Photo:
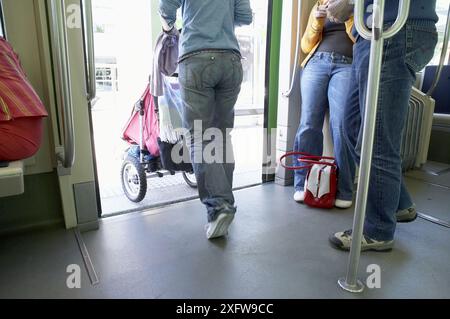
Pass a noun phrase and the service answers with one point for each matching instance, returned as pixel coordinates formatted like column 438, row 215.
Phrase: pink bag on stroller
column 131, row 132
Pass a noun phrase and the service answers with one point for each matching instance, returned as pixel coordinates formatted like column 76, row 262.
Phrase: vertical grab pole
column 377, row 36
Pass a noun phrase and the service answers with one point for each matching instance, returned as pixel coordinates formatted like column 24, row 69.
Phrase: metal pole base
column 356, row 289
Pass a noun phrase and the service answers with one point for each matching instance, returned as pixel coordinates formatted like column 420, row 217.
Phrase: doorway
column 123, row 37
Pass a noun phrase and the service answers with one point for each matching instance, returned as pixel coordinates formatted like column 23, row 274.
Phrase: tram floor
column 276, row 249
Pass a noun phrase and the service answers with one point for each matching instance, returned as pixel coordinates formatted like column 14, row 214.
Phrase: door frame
column 2, row 22
column 270, row 86
column 77, row 188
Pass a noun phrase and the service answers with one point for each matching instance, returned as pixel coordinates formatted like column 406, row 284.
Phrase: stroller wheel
column 190, row 179
column 134, row 179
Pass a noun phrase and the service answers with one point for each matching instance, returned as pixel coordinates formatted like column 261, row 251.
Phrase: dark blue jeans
column 325, row 84
column 405, row 54
column 210, row 85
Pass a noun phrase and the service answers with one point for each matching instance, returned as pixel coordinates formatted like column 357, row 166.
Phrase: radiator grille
column 417, row 131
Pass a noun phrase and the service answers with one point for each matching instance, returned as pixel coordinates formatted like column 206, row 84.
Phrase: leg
column 405, row 54
column 337, row 96
column 352, row 112
column 309, row 138
column 226, row 96
column 199, row 78
column 401, row 61
column 405, row 199
column 198, row 107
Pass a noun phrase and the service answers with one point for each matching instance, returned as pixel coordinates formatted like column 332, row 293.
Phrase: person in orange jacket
column 21, row 109
column 325, row 84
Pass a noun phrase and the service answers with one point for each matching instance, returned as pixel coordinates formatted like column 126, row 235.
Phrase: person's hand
column 321, row 12
column 339, row 11
column 165, row 26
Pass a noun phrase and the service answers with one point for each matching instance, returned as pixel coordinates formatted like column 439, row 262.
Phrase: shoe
column 343, row 241
column 343, row 204
column 299, row 197
column 407, row 215
column 219, row 227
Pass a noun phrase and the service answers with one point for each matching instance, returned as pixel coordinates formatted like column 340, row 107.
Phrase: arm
column 313, row 30
column 243, row 14
column 168, row 12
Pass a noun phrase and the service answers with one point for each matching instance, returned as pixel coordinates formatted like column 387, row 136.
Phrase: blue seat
column 442, row 92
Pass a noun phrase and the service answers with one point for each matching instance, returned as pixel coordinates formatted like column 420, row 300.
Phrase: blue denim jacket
column 207, row 24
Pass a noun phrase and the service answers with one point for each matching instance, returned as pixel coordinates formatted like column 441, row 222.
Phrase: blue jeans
column 210, row 85
column 325, row 84
column 405, row 54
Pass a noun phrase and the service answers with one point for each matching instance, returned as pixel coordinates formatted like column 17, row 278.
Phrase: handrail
column 60, row 54
column 5, row 34
column 366, row 33
column 377, row 37
column 92, row 85
column 297, row 53
column 443, row 56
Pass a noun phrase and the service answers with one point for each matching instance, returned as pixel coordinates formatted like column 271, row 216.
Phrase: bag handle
column 308, row 159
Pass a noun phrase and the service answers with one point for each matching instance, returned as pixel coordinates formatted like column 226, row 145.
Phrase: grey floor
column 163, row 191
column 276, row 249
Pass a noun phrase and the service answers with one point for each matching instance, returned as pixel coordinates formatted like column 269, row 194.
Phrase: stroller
column 149, row 154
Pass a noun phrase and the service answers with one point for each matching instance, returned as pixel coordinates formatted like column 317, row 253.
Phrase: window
column 442, row 11
column 106, row 77
column 252, row 42
column 2, row 27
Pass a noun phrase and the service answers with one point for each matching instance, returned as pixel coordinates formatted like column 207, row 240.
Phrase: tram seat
column 442, row 93
column 11, row 179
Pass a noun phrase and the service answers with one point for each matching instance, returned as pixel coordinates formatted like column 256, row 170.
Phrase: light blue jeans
column 210, row 84
column 405, row 54
column 325, row 84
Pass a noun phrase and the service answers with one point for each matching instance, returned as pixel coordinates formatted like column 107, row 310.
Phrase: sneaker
column 343, row 241
column 299, row 197
column 407, row 215
column 343, row 204
column 219, row 227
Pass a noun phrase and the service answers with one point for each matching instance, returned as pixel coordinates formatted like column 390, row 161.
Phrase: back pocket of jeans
column 420, row 47
column 238, row 71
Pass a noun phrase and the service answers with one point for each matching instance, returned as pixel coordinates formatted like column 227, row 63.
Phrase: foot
column 299, row 197
column 343, row 204
column 343, row 241
column 407, row 215
column 219, row 227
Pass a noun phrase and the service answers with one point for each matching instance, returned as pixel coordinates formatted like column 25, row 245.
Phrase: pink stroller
column 148, row 157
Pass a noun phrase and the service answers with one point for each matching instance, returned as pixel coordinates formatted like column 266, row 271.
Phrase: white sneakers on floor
column 343, row 204
column 299, row 197
column 219, row 227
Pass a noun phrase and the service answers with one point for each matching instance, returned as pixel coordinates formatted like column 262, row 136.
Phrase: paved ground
column 108, row 125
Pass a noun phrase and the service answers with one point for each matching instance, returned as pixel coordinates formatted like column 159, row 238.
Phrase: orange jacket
column 313, row 34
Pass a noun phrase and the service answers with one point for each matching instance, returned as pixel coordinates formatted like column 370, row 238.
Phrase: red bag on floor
column 321, row 179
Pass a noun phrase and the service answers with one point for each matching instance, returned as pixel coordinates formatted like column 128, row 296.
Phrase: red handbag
column 321, row 180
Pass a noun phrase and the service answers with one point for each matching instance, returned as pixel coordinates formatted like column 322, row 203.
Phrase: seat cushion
column 11, row 179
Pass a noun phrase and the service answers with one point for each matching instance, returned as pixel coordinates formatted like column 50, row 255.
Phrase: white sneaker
column 299, row 197
column 343, row 204
column 219, row 227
